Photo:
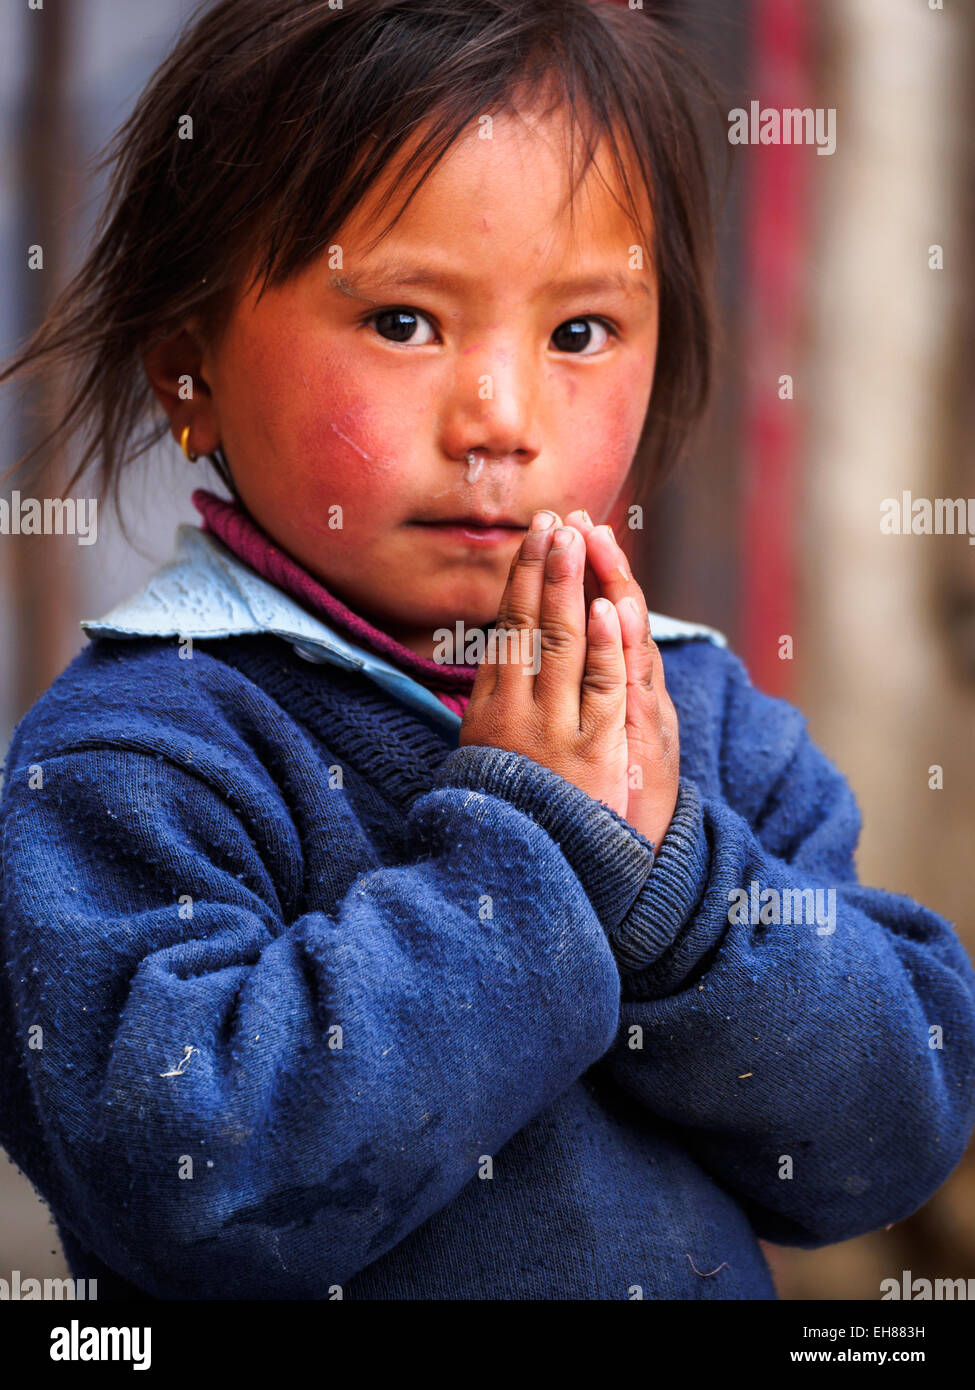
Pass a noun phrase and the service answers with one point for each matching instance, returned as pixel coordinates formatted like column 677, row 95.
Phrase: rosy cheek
column 346, row 441
column 602, row 478
column 630, row 408
column 613, row 435
column 347, row 455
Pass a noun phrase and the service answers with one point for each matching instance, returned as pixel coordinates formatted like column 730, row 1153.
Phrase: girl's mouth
column 471, row 530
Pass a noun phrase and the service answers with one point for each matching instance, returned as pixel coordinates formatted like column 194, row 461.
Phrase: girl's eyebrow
column 399, row 274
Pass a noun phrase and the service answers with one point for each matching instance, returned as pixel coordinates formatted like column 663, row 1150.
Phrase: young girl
column 330, row 970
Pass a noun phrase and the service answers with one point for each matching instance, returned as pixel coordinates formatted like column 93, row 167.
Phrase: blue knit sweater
column 301, row 1000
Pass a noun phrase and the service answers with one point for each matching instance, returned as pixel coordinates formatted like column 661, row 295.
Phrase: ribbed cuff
column 670, row 894
column 609, row 857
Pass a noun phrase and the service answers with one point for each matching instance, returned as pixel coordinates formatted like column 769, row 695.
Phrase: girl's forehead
column 517, row 171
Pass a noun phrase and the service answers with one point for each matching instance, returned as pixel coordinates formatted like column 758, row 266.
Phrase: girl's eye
column 398, row 325
column 575, row 335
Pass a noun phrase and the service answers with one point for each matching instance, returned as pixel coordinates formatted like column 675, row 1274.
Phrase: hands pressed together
column 596, row 709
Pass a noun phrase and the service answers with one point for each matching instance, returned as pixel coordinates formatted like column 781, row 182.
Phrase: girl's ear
column 173, row 366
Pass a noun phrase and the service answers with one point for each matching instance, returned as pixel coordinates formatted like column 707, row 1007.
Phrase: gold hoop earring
column 184, row 441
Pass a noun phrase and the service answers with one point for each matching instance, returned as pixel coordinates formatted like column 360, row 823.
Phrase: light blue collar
column 205, row 592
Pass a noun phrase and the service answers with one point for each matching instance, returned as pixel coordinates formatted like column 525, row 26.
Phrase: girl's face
column 348, row 400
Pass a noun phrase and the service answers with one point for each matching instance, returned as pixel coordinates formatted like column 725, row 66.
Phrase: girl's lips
column 471, row 533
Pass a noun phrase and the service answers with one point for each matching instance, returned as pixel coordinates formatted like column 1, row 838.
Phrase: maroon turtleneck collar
column 240, row 533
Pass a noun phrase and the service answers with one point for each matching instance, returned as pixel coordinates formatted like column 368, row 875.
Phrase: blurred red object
column 775, row 195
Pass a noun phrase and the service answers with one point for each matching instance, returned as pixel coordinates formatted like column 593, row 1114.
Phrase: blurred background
column 846, row 284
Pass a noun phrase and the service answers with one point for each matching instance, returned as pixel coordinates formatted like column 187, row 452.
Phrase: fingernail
column 563, row 537
column 600, row 606
column 584, row 514
column 541, row 521
column 624, row 573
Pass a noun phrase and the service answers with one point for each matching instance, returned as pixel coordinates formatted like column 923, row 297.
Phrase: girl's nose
column 492, row 409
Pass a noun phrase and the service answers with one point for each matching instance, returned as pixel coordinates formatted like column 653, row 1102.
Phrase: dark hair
column 297, row 108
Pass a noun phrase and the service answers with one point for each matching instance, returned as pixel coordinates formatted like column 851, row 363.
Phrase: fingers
column 602, row 706
column 611, row 566
column 651, row 720
column 583, row 523
column 641, row 653
column 523, row 591
column 547, row 603
column 581, row 520
column 518, row 613
column 562, row 625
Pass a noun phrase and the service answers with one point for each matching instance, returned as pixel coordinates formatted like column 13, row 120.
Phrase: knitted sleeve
column 244, row 1106
column 812, row 1039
